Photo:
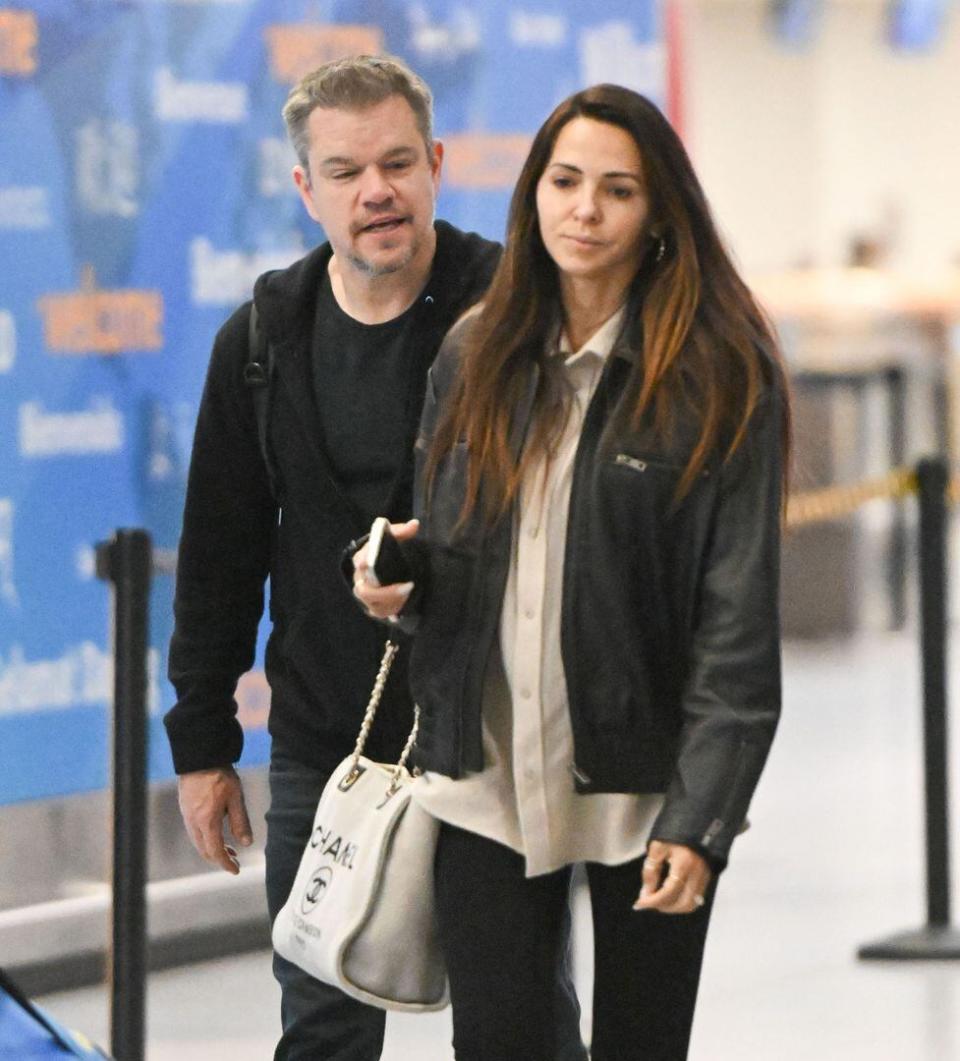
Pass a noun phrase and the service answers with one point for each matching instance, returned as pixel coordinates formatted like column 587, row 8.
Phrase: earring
column 661, row 248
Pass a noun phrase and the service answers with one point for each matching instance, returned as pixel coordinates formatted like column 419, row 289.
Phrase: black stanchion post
column 936, row 939
column 126, row 562
column 932, row 479
column 895, row 380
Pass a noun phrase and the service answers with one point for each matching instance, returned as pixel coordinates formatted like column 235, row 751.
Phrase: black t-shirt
column 362, row 381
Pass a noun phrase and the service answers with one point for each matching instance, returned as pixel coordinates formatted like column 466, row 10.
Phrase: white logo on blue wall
column 198, row 101
column 439, row 42
column 201, row 3
column 25, row 207
column 537, row 29
column 224, row 278
column 8, row 588
column 609, row 53
column 8, row 340
column 82, row 674
column 99, row 429
column 108, row 167
column 170, row 434
column 276, row 161
column 85, row 562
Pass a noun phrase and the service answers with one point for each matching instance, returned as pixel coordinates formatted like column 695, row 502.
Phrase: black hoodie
column 323, row 654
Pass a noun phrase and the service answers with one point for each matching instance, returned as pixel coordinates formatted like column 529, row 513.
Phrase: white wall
column 800, row 150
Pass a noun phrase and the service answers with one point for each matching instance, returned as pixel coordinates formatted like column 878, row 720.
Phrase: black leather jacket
column 670, row 624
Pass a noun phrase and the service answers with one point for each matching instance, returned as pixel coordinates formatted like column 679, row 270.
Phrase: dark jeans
column 320, row 1023
column 503, row 935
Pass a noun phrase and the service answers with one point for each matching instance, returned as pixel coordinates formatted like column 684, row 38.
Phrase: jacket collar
column 287, row 298
column 287, row 305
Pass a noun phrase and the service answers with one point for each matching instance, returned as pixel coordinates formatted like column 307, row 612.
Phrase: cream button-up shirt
column 525, row 797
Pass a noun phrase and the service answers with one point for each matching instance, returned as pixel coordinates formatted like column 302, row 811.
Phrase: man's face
column 371, row 185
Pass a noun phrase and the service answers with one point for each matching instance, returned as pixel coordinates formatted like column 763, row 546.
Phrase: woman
column 595, row 589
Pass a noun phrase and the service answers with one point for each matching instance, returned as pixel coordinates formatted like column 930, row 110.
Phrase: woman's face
column 592, row 204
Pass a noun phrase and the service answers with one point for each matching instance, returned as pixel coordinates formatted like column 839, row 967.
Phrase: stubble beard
column 372, row 269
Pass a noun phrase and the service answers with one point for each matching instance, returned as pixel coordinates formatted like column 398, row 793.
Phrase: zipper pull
column 631, row 462
column 579, row 774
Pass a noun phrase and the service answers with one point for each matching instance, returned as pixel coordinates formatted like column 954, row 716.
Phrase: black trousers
column 503, row 938
column 321, row 1023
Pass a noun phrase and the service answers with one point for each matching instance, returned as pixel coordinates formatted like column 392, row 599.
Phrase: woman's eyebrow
column 612, row 173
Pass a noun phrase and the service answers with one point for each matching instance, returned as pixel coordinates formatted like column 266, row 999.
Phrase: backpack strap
column 258, row 376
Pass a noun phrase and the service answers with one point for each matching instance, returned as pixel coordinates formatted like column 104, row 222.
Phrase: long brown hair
column 704, row 343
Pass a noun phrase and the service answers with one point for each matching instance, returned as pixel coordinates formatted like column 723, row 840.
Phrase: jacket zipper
column 631, row 462
column 625, row 460
column 593, row 420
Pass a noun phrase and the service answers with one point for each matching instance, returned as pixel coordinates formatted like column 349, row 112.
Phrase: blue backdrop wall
column 144, row 184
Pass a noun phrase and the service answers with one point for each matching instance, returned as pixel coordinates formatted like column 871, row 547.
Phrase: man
column 353, row 328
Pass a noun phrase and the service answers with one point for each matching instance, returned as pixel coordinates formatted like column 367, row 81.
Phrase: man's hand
column 675, row 879
column 206, row 798
column 382, row 602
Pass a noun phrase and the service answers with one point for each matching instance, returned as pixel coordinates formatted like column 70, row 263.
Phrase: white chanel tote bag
column 360, row 915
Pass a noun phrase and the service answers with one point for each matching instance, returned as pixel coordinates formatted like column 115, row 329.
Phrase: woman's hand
column 382, row 602
column 675, row 879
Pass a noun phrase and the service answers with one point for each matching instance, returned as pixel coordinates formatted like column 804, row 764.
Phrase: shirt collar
column 601, row 343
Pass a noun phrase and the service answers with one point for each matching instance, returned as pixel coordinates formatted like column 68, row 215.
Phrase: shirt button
column 525, row 694
column 533, row 532
column 529, row 613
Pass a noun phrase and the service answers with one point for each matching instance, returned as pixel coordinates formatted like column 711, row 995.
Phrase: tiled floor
column 834, row 859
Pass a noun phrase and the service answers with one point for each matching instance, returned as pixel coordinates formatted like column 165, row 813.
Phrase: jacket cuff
column 200, row 743
column 711, row 838
column 416, row 553
column 346, row 558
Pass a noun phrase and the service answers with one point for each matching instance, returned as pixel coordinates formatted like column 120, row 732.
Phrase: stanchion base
column 930, row 943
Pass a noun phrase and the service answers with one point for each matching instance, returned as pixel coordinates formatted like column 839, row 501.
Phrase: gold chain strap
column 404, row 755
column 376, row 695
column 378, row 686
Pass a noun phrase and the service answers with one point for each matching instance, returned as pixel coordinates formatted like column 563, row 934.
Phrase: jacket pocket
column 633, row 492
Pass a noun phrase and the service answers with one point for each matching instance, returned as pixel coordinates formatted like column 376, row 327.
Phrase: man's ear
column 436, row 161
column 301, row 178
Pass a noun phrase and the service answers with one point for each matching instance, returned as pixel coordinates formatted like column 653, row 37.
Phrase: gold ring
column 698, row 900
column 652, row 863
column 677, row 877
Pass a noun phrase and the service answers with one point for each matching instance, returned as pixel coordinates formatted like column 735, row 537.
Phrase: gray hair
column 355, row 83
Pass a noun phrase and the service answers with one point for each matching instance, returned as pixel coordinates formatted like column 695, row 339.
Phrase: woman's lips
column 583, row 241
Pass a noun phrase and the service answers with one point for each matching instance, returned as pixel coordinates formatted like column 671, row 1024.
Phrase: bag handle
column 389, row 654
